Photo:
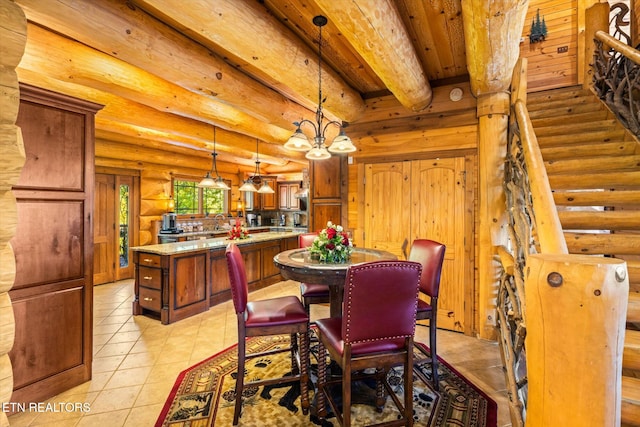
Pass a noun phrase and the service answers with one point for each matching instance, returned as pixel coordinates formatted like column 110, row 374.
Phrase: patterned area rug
column 204, row 394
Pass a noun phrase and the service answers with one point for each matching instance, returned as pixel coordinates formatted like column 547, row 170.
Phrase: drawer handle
column 147, row 277
column 147, row 260
column 148, row 299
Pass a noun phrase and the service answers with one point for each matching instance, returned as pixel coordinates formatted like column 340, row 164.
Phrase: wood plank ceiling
column 169, row 70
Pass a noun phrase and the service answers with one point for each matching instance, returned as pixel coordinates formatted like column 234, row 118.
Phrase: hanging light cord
column 215, row 153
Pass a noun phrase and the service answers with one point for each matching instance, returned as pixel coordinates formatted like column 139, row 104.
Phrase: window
column 190, row 199
column 124, row 226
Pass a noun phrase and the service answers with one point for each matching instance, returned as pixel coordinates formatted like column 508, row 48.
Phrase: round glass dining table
column 297, row 264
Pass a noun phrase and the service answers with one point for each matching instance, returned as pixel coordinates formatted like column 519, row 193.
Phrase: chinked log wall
column 13, row 37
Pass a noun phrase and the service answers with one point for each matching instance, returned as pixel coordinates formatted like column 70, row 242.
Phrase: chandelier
column 208, row 181
column 250, row 185
column 299, row 141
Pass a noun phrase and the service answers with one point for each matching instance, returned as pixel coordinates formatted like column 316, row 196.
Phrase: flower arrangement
column 238, row 232
column 332, row 245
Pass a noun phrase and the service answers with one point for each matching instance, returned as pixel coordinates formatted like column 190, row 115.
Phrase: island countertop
column 213, row 243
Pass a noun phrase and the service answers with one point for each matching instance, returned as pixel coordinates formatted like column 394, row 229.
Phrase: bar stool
column 275, row 316
column 312, row 293
column 430, row 254
column 375, row 331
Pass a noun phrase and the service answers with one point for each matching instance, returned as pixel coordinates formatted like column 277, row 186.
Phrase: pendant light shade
column 299, row 141
column 265, row 188
column 208, row 181
column 342, row 144
column 247, row 185
column 250, row 185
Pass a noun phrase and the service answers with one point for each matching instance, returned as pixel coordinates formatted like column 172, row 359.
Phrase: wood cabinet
column 254, row 201
column 328, row 192
column 175, row 286
column 52, row 294
column 287, row 195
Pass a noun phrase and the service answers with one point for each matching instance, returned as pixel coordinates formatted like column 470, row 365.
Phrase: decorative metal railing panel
column 616, row 78
column 511, row 317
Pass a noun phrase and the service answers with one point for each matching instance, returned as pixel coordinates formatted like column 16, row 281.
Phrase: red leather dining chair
column 375, row 331
column 312, row 293
column 275, row 316
column 430, row 254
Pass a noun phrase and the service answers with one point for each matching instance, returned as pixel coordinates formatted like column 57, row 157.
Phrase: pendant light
column 249, row 184
column 299, row 141
column 208, row 181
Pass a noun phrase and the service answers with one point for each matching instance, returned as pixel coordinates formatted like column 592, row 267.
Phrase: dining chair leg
column 380, row 398
column 434, row 356
column 346, row 396
column 408, row 388
column 304, row 372
column 294, row 352
column 239, row 380
column 321, row 402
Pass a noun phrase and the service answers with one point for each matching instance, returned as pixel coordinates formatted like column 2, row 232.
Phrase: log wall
column 549, row 65
column 13, row 38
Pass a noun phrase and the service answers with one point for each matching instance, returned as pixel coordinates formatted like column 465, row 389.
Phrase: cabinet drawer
column 150, row 277
column 150, row 299
column 150, row 260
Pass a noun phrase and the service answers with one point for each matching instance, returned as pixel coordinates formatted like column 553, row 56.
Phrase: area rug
column 204, row 395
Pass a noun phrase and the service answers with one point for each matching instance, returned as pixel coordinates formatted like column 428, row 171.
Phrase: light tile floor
column 137, row 359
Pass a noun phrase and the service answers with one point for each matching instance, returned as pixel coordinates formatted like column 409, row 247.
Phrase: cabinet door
column 283, row 195
column 293, row 202
column 269, row 200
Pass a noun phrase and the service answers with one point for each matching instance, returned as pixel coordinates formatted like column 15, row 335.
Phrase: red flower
column 330, row 246
column 331, row 233
column 345, row 239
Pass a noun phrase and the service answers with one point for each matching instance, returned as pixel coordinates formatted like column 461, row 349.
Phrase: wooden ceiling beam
column 378, row 34
column 255, row 40
column 117, row 28
column 70, row 61
column 492, row 31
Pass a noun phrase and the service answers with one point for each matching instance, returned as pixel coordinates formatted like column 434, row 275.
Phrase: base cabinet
column 176, row 286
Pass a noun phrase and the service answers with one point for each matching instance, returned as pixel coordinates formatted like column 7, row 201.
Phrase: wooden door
column 424, row 199
column 438, row 213
column 104, row 230
column 387, row 198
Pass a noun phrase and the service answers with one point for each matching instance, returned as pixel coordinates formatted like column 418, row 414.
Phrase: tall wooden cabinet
column 53, row 246
column 328, row 194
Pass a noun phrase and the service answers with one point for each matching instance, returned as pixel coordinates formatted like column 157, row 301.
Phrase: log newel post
column 576, row 314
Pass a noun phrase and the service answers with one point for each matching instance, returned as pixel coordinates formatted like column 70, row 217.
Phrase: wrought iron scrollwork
column 616, row 79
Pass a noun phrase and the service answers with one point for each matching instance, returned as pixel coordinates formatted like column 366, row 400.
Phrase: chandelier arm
column 332, row 122
column 315, row 126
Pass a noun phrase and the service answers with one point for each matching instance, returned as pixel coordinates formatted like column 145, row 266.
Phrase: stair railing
column 542, row 350
column 616, row 66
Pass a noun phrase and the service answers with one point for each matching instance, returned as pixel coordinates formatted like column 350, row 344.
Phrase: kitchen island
column 176, row 280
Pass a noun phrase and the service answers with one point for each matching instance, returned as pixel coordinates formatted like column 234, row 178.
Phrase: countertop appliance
column 169, row 223
column 252, row 220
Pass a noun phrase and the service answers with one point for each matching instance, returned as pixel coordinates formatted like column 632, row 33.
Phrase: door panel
column 104, row 238
column 387, row 194
column 434, row 191
column 438, row 213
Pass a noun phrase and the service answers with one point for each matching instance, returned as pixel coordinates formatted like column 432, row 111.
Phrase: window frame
column 200, row 196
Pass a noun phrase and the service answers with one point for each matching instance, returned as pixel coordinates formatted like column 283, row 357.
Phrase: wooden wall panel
column 548, row 67
column 56, row 255
column 62, row 168
column 49, row 336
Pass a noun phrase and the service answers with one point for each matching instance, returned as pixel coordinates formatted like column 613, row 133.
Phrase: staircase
column 593, row 165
